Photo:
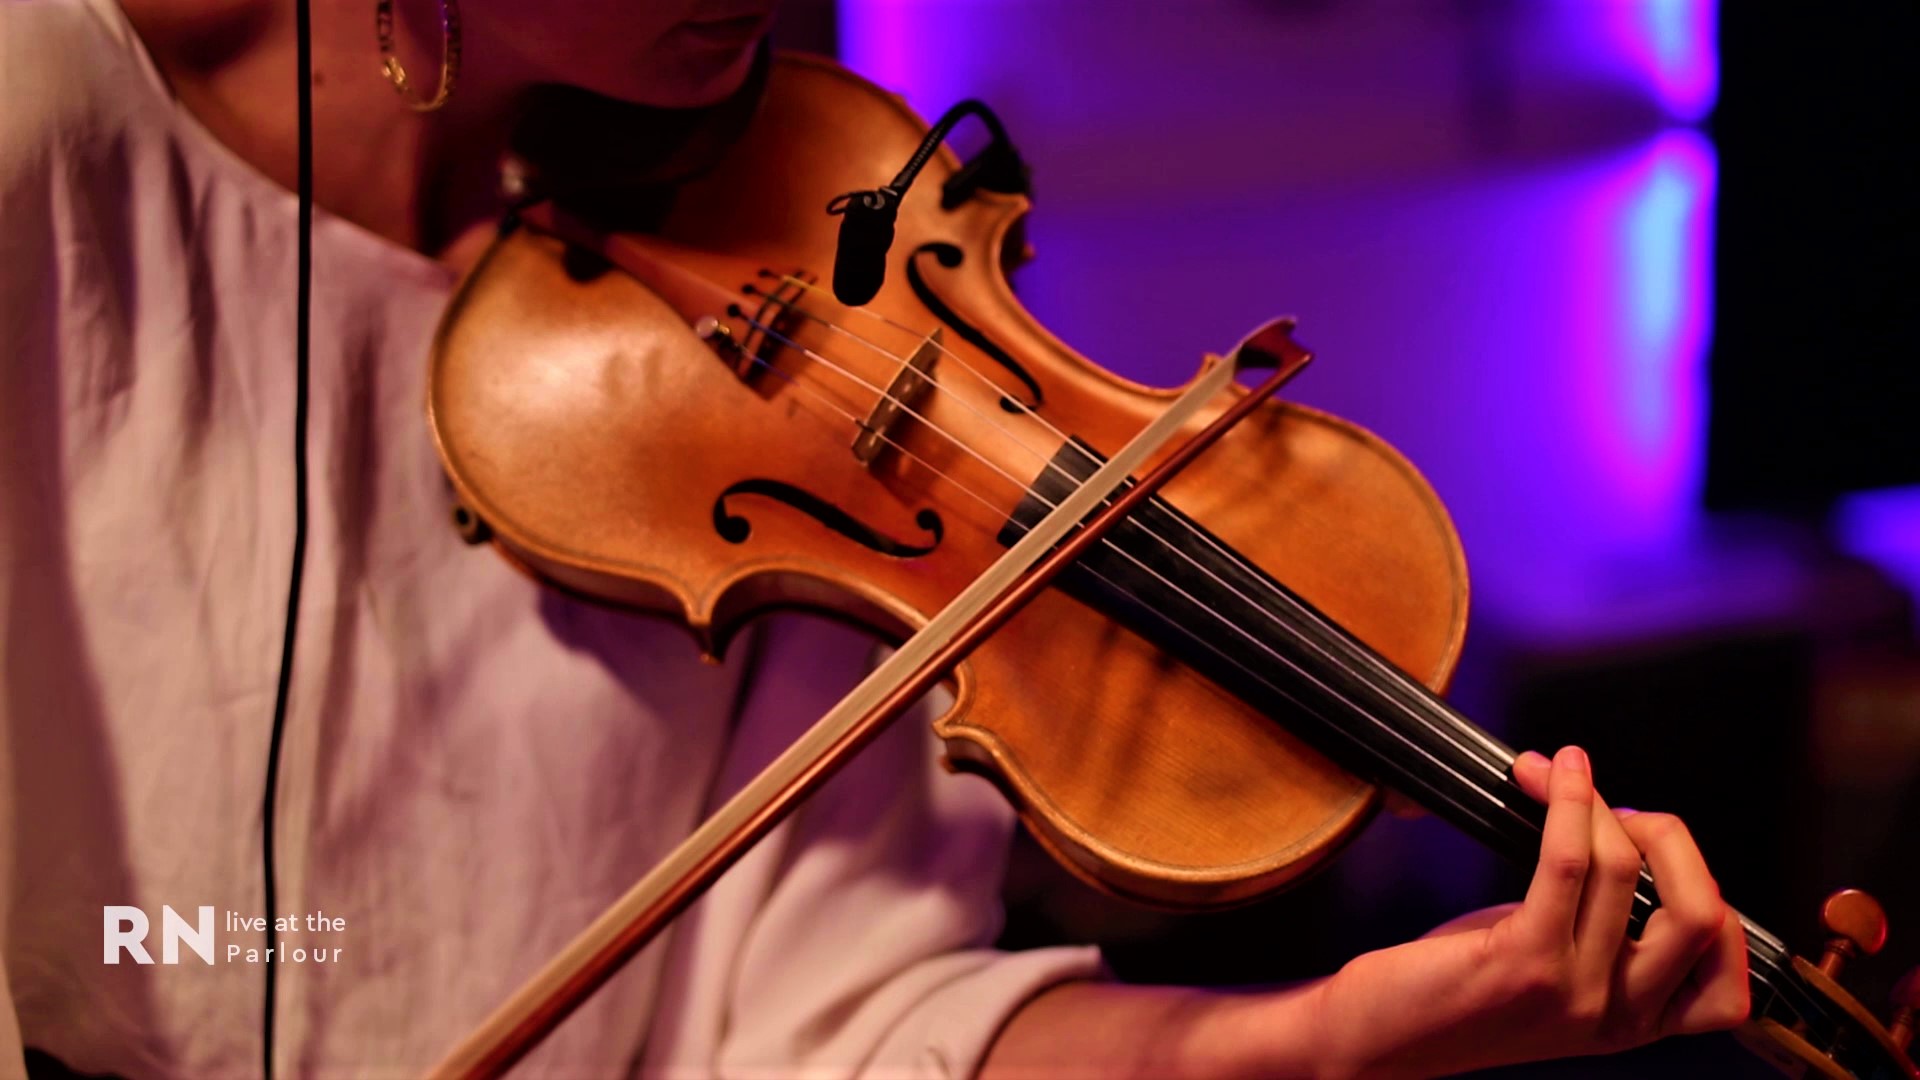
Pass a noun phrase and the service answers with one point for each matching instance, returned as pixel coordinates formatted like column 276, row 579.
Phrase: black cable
column 867, row 217
column 938, row 134
column 302, row 320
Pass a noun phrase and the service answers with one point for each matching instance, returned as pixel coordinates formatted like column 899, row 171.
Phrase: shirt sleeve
column 856, row 940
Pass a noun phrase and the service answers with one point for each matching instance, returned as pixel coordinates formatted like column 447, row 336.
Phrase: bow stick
column 926, row 658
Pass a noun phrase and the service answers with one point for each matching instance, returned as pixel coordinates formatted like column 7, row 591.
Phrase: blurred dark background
column 1631, row 281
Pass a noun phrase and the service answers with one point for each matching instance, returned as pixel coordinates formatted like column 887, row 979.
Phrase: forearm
column 1354, row 1023
column 1116, row 1030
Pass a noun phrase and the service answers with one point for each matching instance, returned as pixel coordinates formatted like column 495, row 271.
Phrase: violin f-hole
column 735, row 528
column 950, row 257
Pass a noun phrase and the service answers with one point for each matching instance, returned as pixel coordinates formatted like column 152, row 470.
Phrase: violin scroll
column 1837, row 1036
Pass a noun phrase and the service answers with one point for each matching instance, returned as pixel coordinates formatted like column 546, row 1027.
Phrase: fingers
column 1688, row 971
column 1716, row 995
column 1566, row 848
column 1530, row 770
column 1613, row 877
column 1690, row 921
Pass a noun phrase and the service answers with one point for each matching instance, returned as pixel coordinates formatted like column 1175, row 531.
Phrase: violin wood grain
column 592, row 430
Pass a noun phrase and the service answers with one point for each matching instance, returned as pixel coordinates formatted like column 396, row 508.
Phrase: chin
column 684, row 80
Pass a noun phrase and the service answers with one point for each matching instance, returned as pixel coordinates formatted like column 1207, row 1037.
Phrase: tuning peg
column 1856, row 926
column 1906, row 999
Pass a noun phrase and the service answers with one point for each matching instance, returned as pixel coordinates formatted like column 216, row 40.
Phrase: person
column 473, row 767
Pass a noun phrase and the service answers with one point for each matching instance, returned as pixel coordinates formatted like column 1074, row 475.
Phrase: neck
column 425, row 181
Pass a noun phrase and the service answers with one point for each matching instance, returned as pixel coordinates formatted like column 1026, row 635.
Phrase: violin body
column 866, row 462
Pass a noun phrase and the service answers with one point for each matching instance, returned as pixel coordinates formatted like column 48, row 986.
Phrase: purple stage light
column 1649, row 399
column 1673, row 45
column 1883, row 527
column 1497, row 234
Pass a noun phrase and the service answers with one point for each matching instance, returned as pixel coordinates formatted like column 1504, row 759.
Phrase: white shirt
column 473, row 767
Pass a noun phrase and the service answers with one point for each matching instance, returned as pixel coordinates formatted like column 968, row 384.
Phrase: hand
column 1555, row 975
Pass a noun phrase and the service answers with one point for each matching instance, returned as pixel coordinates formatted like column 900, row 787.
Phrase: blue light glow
column 1673, row 44
column 1650, row 399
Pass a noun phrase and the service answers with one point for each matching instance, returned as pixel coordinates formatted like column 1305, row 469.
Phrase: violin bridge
column 906, row 390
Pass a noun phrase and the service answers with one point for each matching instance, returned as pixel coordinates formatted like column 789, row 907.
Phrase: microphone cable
column 303, row 319
column 867, row 217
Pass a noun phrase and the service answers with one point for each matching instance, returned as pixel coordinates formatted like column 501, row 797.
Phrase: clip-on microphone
column 867, row 217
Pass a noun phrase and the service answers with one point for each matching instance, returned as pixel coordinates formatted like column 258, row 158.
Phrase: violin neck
column 1168, row 579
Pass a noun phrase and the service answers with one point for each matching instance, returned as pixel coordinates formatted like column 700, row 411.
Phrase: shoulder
column 73, row 77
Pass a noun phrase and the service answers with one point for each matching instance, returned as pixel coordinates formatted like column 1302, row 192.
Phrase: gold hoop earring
column 449, row 54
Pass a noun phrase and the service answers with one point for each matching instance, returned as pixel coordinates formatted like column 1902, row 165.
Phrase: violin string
column 1497, row 757
column 932, row 380
column 1473, row 811
column 995, row 510
column 1755, row 935
column 880, row 317
column 1184, row 594
column 1495, row 768
column 1208, row 609
column 843, row 372
column 1644, row 896
column 822, row 396
column 1752, row 934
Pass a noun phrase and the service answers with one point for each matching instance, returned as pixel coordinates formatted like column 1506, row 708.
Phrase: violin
column 1203, row 707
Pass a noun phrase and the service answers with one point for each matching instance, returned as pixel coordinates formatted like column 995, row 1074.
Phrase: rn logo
column 126, row 928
